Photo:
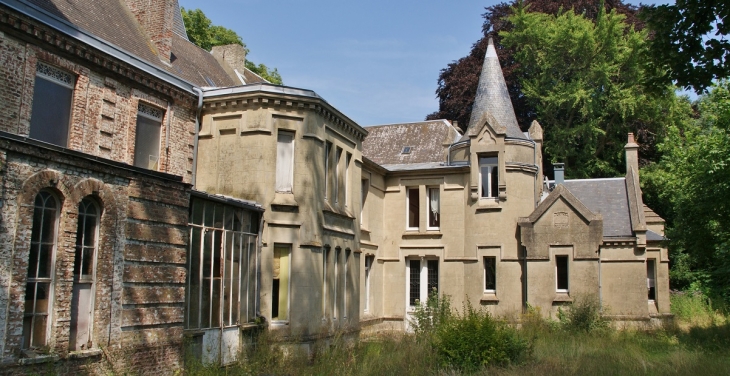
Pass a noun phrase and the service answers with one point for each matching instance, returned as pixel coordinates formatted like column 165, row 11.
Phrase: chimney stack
column 632, row 154
column 231, row 56
column 156, row 18
column 559, row 169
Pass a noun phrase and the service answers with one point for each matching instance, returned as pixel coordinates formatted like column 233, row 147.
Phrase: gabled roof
column 608, row 197
column 428, row 142
column 493, row 98
column 113, row 22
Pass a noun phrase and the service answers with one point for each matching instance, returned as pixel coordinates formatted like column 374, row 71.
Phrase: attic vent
column 406, row 150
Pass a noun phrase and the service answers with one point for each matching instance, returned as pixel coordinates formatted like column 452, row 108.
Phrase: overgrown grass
column 582, row 343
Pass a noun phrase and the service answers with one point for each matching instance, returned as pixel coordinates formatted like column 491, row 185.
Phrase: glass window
column 651, row 278
column 222, row 266
column 327, row 163
column 147, row 138
column 38, row 296
column 490, row 275
column 284, row 162
column 82, row 303
column 488, row 177
column 561, row 272
column 346, row 183
column 364, row 188
column 51, row 112
column 280, row 293
column 413, row 209
column 368, row 271
column 434, row 207
column 423, row 280
column 338, row 175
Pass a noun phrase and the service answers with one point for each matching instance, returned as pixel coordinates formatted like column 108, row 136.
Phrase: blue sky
column 376, row 61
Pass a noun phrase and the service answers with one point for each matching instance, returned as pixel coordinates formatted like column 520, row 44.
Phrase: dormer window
column 406, row 150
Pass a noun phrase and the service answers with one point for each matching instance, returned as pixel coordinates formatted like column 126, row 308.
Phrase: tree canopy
column 584, row 81
column 457, row 83
column 688, row 44
column 690, row 188
column 204, row 34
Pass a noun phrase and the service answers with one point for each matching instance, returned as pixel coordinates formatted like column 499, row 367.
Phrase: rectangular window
column 51, row 111
column 490, row 274
column 413, row 209
column 327, row 163
column 335, row 301
column 280, row 293
column 561, row 273
column 423, row 280
column 364, row 188
column 368, row 270
column 222, row 267
column 651, row 278
column 488, row 177
column 147, row 139
column 284, row 162
column 338, row 175
column 344, row 282
column 346, row 184
column 325, row 267
column 434, row 207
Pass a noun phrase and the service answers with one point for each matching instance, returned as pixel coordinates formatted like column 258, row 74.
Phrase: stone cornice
column 55, row 41
column 283, row 101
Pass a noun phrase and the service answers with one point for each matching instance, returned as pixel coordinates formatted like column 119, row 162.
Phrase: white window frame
column 423, row 280
column 492, row 193
column 408, row 207
column 484, row 281
column 429, row 193
column 567, row 273
column 369, row 260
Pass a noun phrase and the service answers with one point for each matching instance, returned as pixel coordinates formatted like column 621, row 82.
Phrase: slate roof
column 112, row 21
column 607, row 197
column 653, row 236
column 429, row 141
column 493, row 97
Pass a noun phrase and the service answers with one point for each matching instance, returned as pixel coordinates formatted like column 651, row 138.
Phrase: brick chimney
column 632, row 154
column 156, row 18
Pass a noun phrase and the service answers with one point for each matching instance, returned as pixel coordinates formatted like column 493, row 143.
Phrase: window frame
column 327, row 173
column 424, row 265
column 364, row 191
column 409, row 203
column 369, row 261
column 338, row 174
column 429, row 196
column 492, row 192
column 288, row 185
column 566, row 273
column 651, row 279
column 89, row 279
column 57, row 76
column 493, row 275
column 149, row 113
column 50, row 280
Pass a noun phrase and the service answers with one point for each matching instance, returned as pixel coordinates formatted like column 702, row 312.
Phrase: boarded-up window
column 147, row 138
column 284, row 161
column 222, row 265
column 38, row 297
column 51, row 112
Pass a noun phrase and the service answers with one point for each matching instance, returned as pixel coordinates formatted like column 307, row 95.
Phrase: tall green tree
column 689, row 43
column 690, row 185
column 585, row 81
column 204, row 34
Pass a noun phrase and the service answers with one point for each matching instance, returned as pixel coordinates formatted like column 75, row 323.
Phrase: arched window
column 82, row 302
column 38, row 290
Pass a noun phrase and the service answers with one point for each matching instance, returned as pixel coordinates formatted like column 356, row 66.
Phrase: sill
column 488, row 204
column 277, row 323
column 562, row 297
column 428, row 234
column 256, row 131
column 82, row 354
column 364, row 230
column 489, row 297
column 32, row 357
column 284, row 199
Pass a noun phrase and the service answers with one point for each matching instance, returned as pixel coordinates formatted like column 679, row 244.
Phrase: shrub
column 429, row 316
column 583, row 315
column 474, row 339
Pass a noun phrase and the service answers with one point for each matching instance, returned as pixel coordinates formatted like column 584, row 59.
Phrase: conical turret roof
column 492, row 97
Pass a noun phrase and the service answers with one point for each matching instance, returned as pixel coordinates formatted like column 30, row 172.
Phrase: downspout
column 600, row 283
column 167, row 138
column 197, row 134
